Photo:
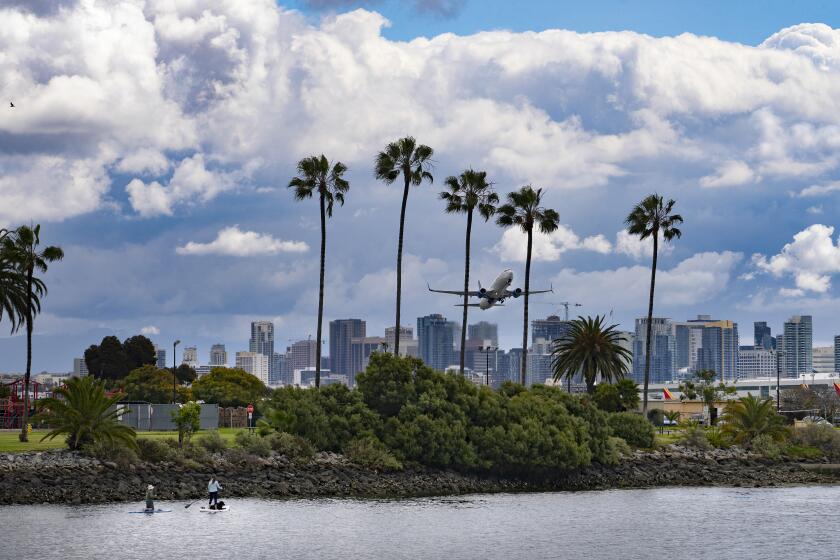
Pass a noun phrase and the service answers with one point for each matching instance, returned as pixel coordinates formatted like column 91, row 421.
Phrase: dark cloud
column 439, row 8
column 39, row 7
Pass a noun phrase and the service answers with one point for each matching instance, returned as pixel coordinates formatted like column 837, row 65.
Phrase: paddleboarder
column 213, row 488
column 150, row 498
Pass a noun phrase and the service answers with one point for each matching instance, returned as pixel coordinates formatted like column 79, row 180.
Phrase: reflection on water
column 622, row 524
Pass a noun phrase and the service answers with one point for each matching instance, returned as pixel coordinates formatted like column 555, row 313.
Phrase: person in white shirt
column 213, row 488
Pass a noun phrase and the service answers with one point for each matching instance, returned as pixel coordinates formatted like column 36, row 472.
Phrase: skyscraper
column 436, row 336
column 360, row 350
column 484, row 331
column 719, row 351
column 218, row 355
column 79, row 367
column 837, row 353
column 823, row 359
column 798, row 346
column 160, row 357
column 302, row 354
column 190, row 356
column 689, row 340
column 279, row 374
column 763, row 336
column 662, row 351
column 550, row 328
column 262, row 340
column 254, row 363
column 406, row 340
column 342, row 333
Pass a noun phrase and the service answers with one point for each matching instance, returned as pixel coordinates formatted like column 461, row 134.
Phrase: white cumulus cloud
column 234, row 242
column 513, row 246
column 629, row 244
column 150, row 330
column 811, row 259
column 730, row 174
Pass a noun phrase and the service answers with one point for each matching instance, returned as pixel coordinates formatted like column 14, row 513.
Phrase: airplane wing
column 471, row 293
column 519, row 291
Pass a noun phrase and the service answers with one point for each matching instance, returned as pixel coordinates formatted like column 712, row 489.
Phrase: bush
column 618, row 448
column 153, row 450
column 718, row 438
column 294, row 447
column 212, row 441
column 803, row 452
column 694, row 435
column 372, row 453
column 766, row 446
column 632, row 428
column 823, row 437
column 113, row 453
column 194, row 452
column 253, row 445
column 656, row 417
column 606, row 397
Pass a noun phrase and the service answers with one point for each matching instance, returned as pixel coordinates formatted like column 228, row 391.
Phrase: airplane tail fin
column 479, row 285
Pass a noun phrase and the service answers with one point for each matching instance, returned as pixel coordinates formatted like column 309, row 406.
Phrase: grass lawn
column 9, row 440
column 666, row 438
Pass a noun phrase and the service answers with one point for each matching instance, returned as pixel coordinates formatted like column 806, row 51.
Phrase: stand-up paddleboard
column 206, row 509
column 149, row 512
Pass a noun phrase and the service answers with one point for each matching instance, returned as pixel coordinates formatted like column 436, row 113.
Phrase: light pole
column 174, row 375
column 486, row 350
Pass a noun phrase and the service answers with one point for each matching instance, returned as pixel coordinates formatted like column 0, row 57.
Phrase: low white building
column 756, row 362
column 823, row 361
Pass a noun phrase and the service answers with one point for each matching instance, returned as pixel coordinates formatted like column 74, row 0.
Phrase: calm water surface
column 668, row 524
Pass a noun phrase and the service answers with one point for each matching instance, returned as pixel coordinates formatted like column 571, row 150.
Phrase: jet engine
column 517, row 292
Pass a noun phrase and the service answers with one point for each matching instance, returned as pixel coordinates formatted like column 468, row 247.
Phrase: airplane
column 496, row 295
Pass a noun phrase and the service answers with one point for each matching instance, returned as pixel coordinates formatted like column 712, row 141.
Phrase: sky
column 154, row 141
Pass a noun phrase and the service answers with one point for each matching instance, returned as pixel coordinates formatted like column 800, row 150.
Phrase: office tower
column 837, row 353
column 625, row 340
column 763, row 336
column 550, row 328
column 279, row 367
column 756, row 362
column 360, row 350
column 484, row 331
column 688, row 338
column 302, row 354
column 160, row 357
column 514, row 361
column 798, row 346
column 342, row 333
column 79, row 367
column 719, row 351
column 436, row 337
column 823, row 357
column 262, row 340
column 406, row 338
column 190, row 356
column 662, row 351
column 254, row 363
column 218, row 355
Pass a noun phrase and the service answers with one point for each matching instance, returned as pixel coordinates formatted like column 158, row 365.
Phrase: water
column 670, row 523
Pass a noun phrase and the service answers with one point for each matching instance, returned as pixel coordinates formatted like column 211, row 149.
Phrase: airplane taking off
column 495, row 295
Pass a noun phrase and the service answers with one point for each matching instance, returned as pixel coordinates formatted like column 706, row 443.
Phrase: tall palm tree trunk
column 321, row 292
column 650, row 320
column 399, row 264
column 24, row 432
column 466, row 289
column 522, row 375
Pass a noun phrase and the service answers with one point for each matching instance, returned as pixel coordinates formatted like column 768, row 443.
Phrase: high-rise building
column 484, row 331
column 302, row 354
column 798, row 346
column 262, row 340
column 837, row 353
column 254, row 363
column 625, row 340
column 550, row 328
column 756, row 362
column 514, row 361
column 763, row 336
column 279, row 371
column 160, row 357
column 662, row 351
column 688, row 337
column 406, row 340
column 823, row 359
column 190, row 356
column 360, row 350
column 342, row 333
column 719, row 351
column 539, row 362
column 436, row 338
column 79, row 367
column 218, row 355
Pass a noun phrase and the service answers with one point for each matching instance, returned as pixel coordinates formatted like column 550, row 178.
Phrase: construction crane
column 566, row 304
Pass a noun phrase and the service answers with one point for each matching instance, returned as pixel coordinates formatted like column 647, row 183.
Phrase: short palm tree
column 523, row 210
column 592, row 349
column 22, row 249
column 414, row 162
column 652, row 217
column 750, row 417
column 317, row 177
column 83, row 412
column 469, row 192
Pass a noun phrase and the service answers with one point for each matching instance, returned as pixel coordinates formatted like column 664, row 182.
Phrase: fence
column 146, row 417
column 231, row 417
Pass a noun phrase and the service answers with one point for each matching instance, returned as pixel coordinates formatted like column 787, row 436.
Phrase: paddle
column 191, row 503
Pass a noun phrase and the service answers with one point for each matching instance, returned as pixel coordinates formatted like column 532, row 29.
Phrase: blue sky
column 154, row 141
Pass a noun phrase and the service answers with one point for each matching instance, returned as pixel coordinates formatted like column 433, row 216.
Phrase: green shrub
column 823, row 437
column 372, row 453
column 212, row 441
column 803, row 452
column 618, row 448
column 153, row 450
column 111, row 452
column 718, row 438
column 293, row 447
column 766, row 446
column 632, row 428
column 194, row 452
column 656, row 417
column 237, row 455
column 693, row 435
column 253, row 444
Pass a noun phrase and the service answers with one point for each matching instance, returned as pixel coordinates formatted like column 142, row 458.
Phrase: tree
column 150, row 384
column 703, row 387
column 750, row 417
column 229, row 387
column 467, row 193
column 188, row 420
column 628, row 393
column 317, row 176
column 185, row 374
column 83, row 412
column 22, row 249
column 591, row 349
column 414, row 163
column 13, row 288
column 139, row 350
column 606, row 398
column 108, row 360
column 523, row 210
column 673, row 416
column 652, row 217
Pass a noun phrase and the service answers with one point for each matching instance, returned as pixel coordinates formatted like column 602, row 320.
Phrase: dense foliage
column 229, row 387
column 188, row 420
column 632, row 428
column 150, row 384
column 592, row 350
column 750, row 417
column 621, row 396
column 112, row 359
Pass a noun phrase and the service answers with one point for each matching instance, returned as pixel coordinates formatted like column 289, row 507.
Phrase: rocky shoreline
column 62, row 477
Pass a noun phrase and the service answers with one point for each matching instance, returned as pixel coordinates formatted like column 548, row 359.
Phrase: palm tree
column 750, row 417
column 316, row 175
column 591, row 349
column 12, row 287
column 22, row 249
column 468, row 192
column 414, row 163
column 85, row 414
column 523, row 210
column 653, row 217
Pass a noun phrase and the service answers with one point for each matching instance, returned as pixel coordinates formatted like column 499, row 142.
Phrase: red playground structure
column 11, row 407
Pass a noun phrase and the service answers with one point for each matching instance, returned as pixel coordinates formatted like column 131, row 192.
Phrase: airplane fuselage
column 496, row 294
